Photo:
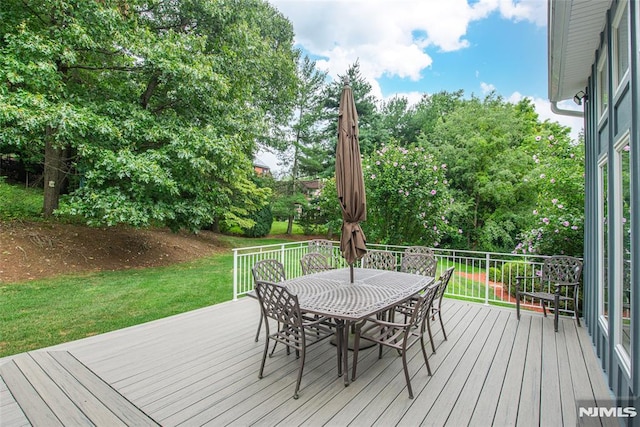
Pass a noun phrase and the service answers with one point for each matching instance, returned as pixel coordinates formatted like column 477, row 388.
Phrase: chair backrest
column 422, row 308
column 419, row 250
column 279, row 304
column 322, row 246
column 269, row 270
column 444, row 282
column 314, row 262
column 561, row 269
column 381, row 260
column 416, row 263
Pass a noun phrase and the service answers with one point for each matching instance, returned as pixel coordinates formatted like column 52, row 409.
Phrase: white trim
column 603, row 162
column 624, row 361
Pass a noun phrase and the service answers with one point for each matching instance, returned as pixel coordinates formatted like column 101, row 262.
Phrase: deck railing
column 486, row 277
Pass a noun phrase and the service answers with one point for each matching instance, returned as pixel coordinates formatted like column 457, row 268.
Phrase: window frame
column 602, row 83
column 619, row 79
column 616, row 214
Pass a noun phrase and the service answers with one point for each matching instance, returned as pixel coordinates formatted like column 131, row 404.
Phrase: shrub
column 511, row 270
column 264, row 221
column 495, row 274
column 408, row 197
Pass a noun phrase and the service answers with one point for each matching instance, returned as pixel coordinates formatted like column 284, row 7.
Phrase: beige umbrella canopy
column 349, row 181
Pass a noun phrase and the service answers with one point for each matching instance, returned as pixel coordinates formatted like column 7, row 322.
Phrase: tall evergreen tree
column 368, row 117
column 302, row 135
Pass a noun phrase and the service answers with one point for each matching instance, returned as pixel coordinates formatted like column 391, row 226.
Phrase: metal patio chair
column 294, row 330
column 324, row 247
column 436, row 307
column 562, row 273
column 419, row 263
column 315, row 262
column 269, row 270
column 399, row 335
column 419, row 250
column 381, row 260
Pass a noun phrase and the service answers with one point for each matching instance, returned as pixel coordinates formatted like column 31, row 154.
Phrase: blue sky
column 413, row 47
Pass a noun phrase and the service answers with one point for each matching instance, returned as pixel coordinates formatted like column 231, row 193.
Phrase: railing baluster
column 486, row 281
column 235, row 274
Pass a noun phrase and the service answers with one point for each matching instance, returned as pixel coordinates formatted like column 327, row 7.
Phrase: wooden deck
column 200, row 368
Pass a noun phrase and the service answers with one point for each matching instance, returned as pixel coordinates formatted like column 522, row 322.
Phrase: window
column 621, row 44
column 603, row 85
column 623, row 243
column 603, row 291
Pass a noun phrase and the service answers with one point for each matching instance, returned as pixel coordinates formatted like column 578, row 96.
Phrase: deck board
column 484, row 393
column 201, row 368
column 531, row 384
column 10, row 411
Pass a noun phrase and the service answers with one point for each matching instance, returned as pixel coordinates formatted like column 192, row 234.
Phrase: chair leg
column 442, row 324
column 264, row 356
column 259, row 326
column 575, row 306
column 556, row 308
column 356, row 345
column 424, row 354
column 406, row 373
column 339, row 338
column 544, row 307
column 433, row 347
column 304, row 352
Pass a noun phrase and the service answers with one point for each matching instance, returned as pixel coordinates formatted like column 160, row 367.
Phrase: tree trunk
column 54, row 173
column 290, row 226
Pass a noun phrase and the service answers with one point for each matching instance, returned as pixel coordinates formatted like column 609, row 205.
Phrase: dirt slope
column 38, row 250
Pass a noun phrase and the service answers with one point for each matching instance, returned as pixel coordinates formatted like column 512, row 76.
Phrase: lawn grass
column 46, row 312
column 280, row 227
column 19, row 202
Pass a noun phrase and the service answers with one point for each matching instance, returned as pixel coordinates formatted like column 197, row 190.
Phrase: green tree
column 154, row 105
column 482, row 142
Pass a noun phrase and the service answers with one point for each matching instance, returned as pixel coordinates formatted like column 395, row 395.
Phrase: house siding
column 601, row 135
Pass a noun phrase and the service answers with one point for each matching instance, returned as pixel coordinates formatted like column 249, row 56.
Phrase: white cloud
column 413, row 98
column 487, row 87
column 543, row 108
column 390, row 37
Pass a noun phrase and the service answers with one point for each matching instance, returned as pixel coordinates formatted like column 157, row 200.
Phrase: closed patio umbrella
column 349, row 180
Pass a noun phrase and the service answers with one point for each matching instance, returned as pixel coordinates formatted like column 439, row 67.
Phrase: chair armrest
column 521, row 278
column 385, row 323
column 314, row 322
column 527, row 277
column 566, row 284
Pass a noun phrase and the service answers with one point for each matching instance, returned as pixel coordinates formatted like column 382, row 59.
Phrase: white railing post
column 486, row 281
column 282, row 260
column 235, row 274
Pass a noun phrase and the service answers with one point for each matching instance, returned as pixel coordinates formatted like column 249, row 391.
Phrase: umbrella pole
column 351, row 271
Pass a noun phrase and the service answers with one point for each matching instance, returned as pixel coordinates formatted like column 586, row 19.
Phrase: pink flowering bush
column 408, row 199
column 557, row 174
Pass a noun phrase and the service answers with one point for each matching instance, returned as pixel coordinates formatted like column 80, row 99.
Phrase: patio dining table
column 330, row 293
